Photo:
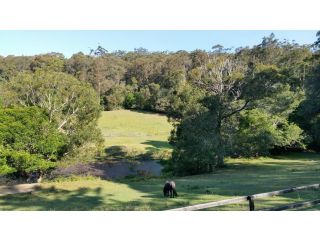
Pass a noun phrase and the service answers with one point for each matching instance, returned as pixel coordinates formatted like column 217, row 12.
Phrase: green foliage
column 29, row 129
column 130, row 100
column 22, row 162
column 265, row 85
column 259, row 132
column 115, row 97
column 48, row 62
column 197, row 152
column 28, row 141
column 308, row 113
column 5, row 169
column 72, row 105
column 248, row 102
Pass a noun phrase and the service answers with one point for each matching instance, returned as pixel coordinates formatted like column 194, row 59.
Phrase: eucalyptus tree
column 71, row 104
column 226, row 86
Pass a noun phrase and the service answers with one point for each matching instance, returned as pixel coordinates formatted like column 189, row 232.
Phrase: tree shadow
column 157, row 145
column 152, row 113
column 119, row 152
column 239, row 179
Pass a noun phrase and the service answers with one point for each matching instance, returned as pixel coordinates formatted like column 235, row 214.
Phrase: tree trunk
column 220, row 149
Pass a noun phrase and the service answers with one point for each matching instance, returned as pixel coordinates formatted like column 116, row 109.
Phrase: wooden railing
column 251, row 199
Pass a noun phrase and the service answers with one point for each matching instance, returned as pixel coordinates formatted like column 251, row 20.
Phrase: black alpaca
column 169, row 189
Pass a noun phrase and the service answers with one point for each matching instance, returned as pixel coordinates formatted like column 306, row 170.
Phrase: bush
column 22, row 163
column 28, row 141
column 260, row 132
column 129, row 101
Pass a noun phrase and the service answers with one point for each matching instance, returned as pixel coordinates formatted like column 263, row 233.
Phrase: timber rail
column 251, row 198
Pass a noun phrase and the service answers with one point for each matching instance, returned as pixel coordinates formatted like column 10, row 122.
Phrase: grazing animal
column 169, row 189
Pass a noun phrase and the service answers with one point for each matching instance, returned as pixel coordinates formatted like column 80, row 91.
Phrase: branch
column 236, row 111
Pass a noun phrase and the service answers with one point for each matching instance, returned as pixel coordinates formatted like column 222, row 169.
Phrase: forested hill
column 246, row 102
column 148, row 80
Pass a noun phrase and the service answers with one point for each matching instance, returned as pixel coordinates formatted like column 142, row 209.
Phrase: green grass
column 241, row 177
column 145, row 132
column 141, row 131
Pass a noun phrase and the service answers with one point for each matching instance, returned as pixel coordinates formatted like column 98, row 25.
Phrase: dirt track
column 19, row 188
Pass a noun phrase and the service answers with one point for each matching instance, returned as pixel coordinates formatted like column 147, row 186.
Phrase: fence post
column 251, row 203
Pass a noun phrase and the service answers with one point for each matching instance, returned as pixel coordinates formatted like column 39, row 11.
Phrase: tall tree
column 230, row 87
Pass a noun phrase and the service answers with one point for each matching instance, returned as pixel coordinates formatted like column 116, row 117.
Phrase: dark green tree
column 29, row 142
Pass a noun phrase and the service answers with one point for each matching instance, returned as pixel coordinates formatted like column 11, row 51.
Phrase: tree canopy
column 250, row 101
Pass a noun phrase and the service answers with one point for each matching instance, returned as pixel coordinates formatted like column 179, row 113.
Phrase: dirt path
column 19, row 188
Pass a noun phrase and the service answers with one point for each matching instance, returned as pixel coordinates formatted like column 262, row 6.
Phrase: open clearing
column 142, row 131
column 149, row 132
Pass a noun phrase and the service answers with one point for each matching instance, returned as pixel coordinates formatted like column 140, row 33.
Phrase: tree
column 49, row 62
column 71, row 104
column 259, row 132
column 317, row 42
column 79, row 65
column 308, row 113
column 106, row 71
column 230, row 87
column 29, row 142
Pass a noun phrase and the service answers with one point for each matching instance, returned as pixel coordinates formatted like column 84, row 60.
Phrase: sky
column 68, row 42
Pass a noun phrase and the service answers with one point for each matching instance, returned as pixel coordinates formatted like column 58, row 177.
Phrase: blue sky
column 69, row 42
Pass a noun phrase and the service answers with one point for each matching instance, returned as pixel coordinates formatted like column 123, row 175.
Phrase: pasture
column 241, row 177
column 140, row 132
column 135, row 130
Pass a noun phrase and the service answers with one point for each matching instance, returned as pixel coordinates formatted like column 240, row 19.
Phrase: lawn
column 241, row 177
column 141, row 131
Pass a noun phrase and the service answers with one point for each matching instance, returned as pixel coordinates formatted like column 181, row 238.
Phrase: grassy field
column 241, row 177
column 149, row 132
column 138, row 130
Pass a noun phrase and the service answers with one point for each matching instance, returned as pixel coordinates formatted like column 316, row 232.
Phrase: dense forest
column 249, row 101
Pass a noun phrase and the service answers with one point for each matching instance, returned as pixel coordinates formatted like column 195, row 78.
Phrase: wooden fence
column 251, row 199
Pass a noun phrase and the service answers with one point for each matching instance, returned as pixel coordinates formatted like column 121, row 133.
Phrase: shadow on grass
column 236, row 180
column 151, row 113
column 242, row 179
column 157, row 145
column 158, row 151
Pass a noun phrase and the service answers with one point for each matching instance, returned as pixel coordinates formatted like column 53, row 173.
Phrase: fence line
column 251, row 198
column 294, row 205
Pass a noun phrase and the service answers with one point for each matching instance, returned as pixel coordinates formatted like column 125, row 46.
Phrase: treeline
column 246, row 102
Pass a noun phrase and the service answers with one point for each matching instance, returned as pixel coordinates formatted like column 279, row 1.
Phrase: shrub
column 29, row 142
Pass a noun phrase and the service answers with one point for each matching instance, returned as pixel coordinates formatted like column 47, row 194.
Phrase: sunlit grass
column 139, row 130
column 241, row 177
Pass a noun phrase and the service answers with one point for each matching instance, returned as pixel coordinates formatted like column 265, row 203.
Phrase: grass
column 241, row 177
column 140, row 131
